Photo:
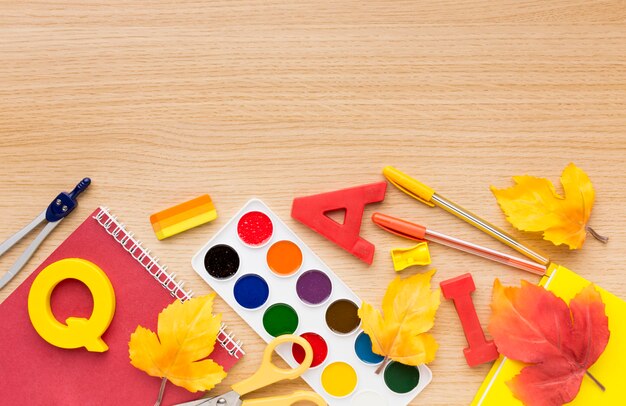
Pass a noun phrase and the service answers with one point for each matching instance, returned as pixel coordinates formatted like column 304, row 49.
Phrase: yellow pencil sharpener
column 406, row 257
column 78, row 331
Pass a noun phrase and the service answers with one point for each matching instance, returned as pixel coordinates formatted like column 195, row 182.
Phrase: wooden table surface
column 161, row 101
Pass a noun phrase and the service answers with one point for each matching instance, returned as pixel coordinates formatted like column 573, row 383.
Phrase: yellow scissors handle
column 287, row 400
column 268, row 373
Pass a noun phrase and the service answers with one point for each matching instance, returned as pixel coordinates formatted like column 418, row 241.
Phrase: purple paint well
column 314, row 287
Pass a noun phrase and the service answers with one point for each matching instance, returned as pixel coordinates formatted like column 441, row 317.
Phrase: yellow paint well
column 339, row 379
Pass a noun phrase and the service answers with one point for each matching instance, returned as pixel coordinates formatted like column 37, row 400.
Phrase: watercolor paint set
column 279, row 286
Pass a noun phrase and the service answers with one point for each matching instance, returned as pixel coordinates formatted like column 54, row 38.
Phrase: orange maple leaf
column 533, row 205
column 400, row 332
column 187, row 335
column 532, row 325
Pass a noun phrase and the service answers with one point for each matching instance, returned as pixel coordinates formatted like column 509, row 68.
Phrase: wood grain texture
column 161, row 101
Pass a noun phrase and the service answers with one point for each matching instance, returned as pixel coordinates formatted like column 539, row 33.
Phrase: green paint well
column 401, row 378
column 280, row 319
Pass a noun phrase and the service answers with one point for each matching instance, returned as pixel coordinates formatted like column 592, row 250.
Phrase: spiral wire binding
column 151, row 264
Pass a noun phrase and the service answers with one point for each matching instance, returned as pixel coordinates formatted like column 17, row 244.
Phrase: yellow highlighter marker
column 428, row 196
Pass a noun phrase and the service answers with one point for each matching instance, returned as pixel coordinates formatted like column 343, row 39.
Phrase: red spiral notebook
column 36, row 373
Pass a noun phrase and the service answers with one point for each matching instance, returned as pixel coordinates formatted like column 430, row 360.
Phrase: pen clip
column 408, row 185
column 413, row 195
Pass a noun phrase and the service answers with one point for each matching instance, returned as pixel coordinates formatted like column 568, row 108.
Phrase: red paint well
column 320, row 349
column 255, row 228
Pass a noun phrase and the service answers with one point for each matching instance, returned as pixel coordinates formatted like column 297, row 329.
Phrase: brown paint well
column 342, row 316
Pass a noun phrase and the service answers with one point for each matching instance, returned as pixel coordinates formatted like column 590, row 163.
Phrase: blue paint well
column 251, row 291
column 363, row 349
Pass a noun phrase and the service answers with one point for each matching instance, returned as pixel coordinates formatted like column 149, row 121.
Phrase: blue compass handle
column 80, row 188
column 65, row 202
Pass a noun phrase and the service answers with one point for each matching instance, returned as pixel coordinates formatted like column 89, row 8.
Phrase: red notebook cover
column 37, row 373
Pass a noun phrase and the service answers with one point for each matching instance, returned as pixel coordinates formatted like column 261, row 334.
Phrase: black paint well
column 221, row 261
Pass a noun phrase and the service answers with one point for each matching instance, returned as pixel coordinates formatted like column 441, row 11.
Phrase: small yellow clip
column 78, row 332
column 406, row 257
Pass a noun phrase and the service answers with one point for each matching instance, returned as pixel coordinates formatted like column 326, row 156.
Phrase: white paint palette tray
column 279, row 286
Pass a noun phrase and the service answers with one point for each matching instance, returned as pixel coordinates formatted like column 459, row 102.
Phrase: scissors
column 56, row 211
column 267, row 374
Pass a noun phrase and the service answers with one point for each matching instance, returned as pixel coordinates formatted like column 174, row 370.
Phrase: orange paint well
column 284, row 258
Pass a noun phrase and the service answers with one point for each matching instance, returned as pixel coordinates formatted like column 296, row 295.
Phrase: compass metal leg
column 11, row 241
column 28, row 252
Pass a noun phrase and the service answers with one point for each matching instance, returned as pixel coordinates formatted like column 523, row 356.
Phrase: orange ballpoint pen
column 417, row 232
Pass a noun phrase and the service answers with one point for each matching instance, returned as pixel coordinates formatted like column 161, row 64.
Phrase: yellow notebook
column 608, row 369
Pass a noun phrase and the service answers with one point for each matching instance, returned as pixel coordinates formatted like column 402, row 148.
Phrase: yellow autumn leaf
column 399, row 334
column 533, row 205
column 187, row 332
